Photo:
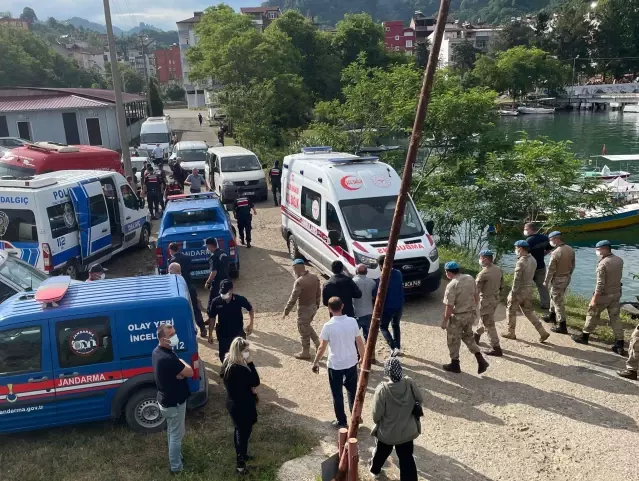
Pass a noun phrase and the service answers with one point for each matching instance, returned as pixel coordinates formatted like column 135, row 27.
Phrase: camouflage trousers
column 522, row 302
column 633, row 351
column 305, row 315
column 487, row 324
column 610, row 303
column 460, row 328
column 558, row 288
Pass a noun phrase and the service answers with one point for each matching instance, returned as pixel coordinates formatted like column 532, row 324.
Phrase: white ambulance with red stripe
column 338, row 206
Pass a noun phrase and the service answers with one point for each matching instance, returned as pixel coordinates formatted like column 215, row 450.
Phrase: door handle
column 68, row 374
column 104, row 231
column 38, row 379
column 127, row 218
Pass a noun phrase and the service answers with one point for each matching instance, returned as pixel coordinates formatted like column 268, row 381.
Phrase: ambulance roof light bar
column 348, row 160
column 317, row 150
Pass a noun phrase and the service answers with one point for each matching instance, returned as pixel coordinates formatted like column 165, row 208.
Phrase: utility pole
column 146, row 72
column 117, row 89
column 411, row 156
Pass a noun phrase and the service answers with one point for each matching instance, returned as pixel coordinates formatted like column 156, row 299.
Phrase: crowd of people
column 397, row 400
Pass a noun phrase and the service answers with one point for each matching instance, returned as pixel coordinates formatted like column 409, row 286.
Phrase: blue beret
column 604, row 243
column 486, row 253
column 554, row 233
column 521, row 243
column 298, row 262
column 451, row 266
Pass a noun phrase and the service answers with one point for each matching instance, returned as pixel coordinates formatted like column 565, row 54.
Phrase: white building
column 188, row 37
column 68, row 116
column 456, row 33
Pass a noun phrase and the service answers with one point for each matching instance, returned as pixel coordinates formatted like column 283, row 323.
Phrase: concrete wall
column 602, row 89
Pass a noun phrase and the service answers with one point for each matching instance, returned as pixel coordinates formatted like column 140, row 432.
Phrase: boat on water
column 535, row 110
column 597, row 220
column 606, row 174
column 631, row 109
column 508, row 113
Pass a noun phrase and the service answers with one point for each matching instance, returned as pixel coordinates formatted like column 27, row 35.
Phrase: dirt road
column 550, row 412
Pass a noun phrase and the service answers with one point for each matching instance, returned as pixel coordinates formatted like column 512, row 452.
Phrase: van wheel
column 145, row 235
column 143, row 413
column 293, row 251
column 71, row 270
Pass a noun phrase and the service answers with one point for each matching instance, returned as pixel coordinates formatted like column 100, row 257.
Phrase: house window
column 408, row 34
column 409, row 44
column 387, row 29
column 397, row 49
column 272, row 15
column 481, row 44
column 24, row 130
column 396, row 37
column 93, row 129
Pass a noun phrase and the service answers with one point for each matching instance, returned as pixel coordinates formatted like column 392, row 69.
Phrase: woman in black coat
column 240, row 380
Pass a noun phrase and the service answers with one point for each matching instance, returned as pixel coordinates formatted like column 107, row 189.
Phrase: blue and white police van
column 189, row 220
column 63, row 222
column 87, row 357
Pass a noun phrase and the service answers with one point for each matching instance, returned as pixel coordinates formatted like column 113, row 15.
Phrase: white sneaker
column 395, row 352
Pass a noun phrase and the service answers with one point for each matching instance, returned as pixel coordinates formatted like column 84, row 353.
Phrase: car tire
column 71, row 269
column 142, row 412
column 293, row 251
column 145, row 236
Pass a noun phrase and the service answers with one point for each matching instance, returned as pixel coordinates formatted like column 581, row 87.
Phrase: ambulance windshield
column 371, row 219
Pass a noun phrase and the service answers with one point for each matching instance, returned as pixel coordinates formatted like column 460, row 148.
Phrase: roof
column 39, row 98
column 190, row 204
column 192, row 144
column 230, row 151
column 135, row 292
column 64, row 177
column 259, row 9
column 621, row 158
column 194, row 19
column 22, row 104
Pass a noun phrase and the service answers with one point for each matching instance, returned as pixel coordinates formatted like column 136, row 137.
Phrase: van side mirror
column 333, row 238
column 430, row 226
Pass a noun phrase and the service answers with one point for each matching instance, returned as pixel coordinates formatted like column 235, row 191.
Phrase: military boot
column 453, row 366
column 509, row 335
column 477, row 337
column 482, row 364
column 560, row 328
column 628, row 374
column 494, row 351
column 550, row 318
column 581, row 338
column 305, row 355
column 618, row 348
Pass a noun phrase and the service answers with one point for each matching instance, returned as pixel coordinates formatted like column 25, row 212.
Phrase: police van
column 338, row 206
column 63, row 222
column 87, row 357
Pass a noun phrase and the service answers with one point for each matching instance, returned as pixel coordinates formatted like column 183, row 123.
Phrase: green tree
column 617, row 36
column 174, row 92
column 422, row 51
column 513, row 34
column 6, row 14
column 356, row 34
column 571, row 35
column 28, row 15
column 156, row 108
column 464, row 56
column 132, row 82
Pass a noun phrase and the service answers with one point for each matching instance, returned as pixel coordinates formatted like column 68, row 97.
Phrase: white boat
column 536, row 110
column 631, row 109
column 615, row 105
column 508, row 113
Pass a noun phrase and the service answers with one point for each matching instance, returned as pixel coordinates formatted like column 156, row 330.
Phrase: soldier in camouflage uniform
column 606, row 297
column 632, row 365
column 521, row 294
column 558, row 275
column 460, row 299
column 490, row 282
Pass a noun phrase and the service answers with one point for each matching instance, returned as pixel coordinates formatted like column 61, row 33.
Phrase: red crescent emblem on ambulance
column 350, row 182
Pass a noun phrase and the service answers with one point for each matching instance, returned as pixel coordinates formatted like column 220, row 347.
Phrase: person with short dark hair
column 226, row 317
column 96, row 273
column 185, row 261
column 171, row 374
column 195, row 181
column 344, row 342
column 176, row 269
column 341, row 285
column 178, row 172
column 242, row 208
column 393, row 309
column 152, row 187
column 275, row 176
column 364, row 305
column 200, row 118
column 218, row 267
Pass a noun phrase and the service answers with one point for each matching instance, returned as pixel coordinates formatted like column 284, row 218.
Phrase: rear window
column 194, row 217
column 155, row 138
column 61, row 219
column 18, row 225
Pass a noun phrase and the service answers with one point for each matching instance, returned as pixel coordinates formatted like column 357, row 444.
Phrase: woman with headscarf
column 240, row 380
column 396, row 420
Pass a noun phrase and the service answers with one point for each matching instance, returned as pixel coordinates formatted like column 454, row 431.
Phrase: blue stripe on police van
column 101, row 243
column 87, row 197
column 62, row 257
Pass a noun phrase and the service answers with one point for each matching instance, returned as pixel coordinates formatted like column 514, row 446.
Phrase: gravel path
column 550, row 412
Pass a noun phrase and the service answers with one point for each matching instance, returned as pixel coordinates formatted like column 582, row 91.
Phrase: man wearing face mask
column 490, row 282
column 521, row 294
column 227, row 318
column 96, row 273
column 171, row 374
column 539, row 246
column 560, row 269
column 606, row 297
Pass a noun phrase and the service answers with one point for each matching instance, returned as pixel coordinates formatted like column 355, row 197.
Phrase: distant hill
column 78, row 22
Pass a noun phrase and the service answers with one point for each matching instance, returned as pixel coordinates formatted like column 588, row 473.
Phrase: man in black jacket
column 182, row 259
column 342, row 286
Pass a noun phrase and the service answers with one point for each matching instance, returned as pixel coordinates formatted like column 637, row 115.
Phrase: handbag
column 417, row 411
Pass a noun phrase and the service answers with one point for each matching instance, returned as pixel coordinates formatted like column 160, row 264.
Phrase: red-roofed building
column 398, row 38
column 168, row 65
column 262, row 16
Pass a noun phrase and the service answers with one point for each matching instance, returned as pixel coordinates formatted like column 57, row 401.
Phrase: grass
column 111, row 451
column 576, row 305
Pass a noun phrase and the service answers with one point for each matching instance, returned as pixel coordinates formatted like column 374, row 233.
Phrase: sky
column 126, row 13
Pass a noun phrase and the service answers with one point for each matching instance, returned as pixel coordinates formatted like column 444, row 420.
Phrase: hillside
column 494, row 11
column 78, row 22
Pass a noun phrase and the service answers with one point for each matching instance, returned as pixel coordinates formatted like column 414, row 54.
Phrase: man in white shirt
column 158, row 154
column 342, row 338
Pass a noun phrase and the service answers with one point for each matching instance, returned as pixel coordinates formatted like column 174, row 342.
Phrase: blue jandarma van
column 88, row 358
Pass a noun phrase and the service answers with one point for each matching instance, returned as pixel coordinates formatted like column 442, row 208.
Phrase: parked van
column 233, row 172
column 154, row 131
column 64, row 222
column 193, row 155
column 338, row 206
column 43, row 157
column 87, row 357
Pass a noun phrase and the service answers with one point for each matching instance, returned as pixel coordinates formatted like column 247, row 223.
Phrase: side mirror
column 430, row 226
column 333, row 238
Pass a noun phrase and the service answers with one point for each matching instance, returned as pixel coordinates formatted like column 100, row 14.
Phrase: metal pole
column 117, row 89
column 146, row 75
column 411, row 156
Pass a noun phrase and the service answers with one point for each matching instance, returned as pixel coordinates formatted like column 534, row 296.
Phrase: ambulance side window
column 20, row 350
column 333, row 223
column 99, row 213
column 61, row 219
column 311, row 205
column 82, row 342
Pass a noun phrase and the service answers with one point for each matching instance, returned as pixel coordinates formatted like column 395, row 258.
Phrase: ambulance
column 156, row 131
column 338, row 206
column 63, row 222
